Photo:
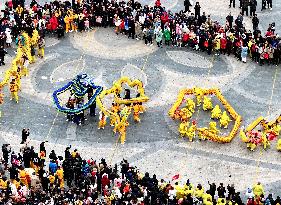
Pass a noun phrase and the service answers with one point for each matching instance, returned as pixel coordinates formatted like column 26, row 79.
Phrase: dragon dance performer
column 125, row 112
column 199, row 95
column 102, row 121
column 115, row 108
column 183, row 128
column 190, row 105
column 67, row 24
column 213, row 128
column 216, row 112
column 136, row 114
column 141, row 107
column 207, row 103
column 191, row 132
column 14, row 88
column 225, row 119
column 122, row 131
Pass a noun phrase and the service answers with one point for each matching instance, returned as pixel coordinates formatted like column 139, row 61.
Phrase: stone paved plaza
column 154, row 144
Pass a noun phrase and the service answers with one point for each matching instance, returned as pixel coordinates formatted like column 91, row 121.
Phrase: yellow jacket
column 59, row 173
column 207, row 199
column 3, row 184
column 66, row 19
column 199, row 193
column 52, row 179
column 258, row 189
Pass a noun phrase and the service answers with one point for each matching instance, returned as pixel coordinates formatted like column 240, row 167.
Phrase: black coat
column 24, row 134
column 187, row 3
column 2, row 52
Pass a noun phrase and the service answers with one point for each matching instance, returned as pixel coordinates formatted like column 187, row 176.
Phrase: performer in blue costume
column 79, row 87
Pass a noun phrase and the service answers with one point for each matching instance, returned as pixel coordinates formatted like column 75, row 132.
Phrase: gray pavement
column 153, row 144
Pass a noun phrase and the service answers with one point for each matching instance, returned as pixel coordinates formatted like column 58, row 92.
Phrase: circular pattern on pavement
column 104, row 43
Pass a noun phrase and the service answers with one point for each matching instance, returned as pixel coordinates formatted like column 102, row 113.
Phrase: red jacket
column 122, row 25
column 223, row 43
column 105, row 181
column 164, row 18
column 54, row 23
column 157, row 3
column 185, row 37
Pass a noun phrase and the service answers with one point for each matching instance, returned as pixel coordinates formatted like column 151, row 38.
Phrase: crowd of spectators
column 152, row 24
column 34, row 176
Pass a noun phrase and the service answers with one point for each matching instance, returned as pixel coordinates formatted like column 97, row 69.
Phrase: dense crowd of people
column 149, row 23
column 34, row 176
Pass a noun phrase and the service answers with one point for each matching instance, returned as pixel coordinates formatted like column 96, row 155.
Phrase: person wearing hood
column 258, row 189
column 197, row 10
column 187, row 4
column 249, row 193
column 159, row 36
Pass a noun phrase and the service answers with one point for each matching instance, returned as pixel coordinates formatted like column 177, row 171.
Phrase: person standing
column 245, row 5
column 3, row 52
column 150, row 34
column 132, row 32
column 263, row 5
column 255, row 22
column 187, row 4
column 197, row 10
column 231, row 2
column 167, row 36
column 92, row 106
column 253, row 7
column 269, row 4
column 14, row 88
column 8, row 37
column 244, row 53
column 221, row 191
column 159, row 36
column 229, row 19
column 5, row 151
column 24, row 135
column 41, row 46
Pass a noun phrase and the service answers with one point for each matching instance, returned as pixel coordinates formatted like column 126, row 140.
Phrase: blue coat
column 53, row 167
column 244, row 52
